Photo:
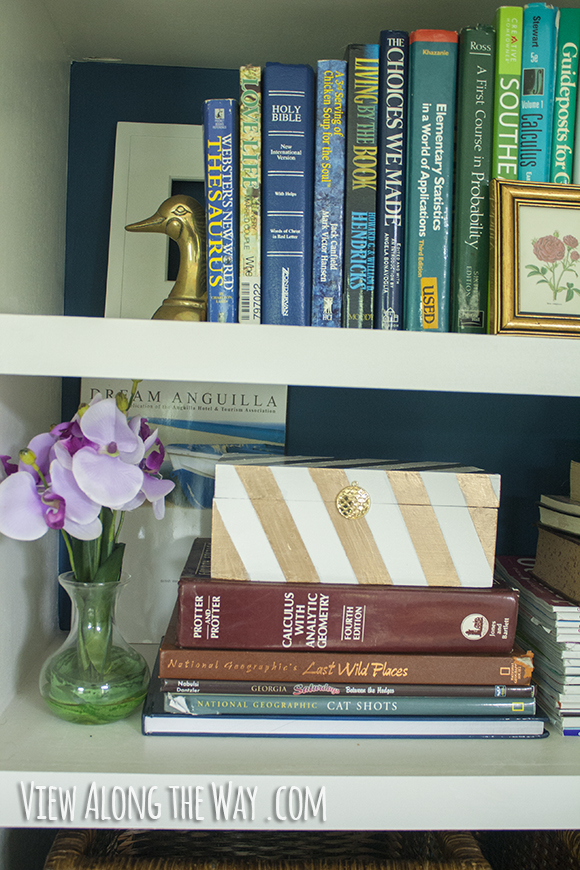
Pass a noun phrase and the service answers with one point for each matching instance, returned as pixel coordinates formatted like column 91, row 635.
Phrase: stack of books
column 549, row 624
column 323, row 659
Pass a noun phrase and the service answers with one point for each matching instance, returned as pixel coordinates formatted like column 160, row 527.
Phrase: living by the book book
column 360, row 208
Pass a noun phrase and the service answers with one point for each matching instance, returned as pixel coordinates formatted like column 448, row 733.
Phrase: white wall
column 34, row 74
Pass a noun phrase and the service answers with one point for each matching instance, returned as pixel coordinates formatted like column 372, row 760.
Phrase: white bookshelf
column 369, row 784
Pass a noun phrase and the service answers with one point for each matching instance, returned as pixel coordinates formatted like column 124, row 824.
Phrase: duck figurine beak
column 181, row 218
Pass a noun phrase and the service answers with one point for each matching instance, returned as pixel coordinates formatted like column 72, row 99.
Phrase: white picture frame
column 148, row 158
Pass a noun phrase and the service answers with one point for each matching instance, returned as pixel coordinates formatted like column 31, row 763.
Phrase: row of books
column 310, row 659
column 359, row 196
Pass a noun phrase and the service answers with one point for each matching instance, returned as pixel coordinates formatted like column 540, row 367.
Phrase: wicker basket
column 531, row 850
column 264, row 850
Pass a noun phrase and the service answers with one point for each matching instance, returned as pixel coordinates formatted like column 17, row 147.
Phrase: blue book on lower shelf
column 287, row 184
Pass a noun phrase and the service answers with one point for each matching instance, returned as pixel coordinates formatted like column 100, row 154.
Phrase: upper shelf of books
column 306, row 356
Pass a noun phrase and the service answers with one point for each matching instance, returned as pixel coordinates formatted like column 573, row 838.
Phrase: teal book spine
column 475, row 99
column 508, row 26
column 328, row 218
column 430, row 156
column 563, row 131
column 360, row 208
column 220, row 136
column 248, row 705
column 538, row 82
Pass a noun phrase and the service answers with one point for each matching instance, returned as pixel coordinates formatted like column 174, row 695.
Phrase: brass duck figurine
column 181, row 218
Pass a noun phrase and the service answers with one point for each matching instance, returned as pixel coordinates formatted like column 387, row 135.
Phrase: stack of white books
column 549, row 625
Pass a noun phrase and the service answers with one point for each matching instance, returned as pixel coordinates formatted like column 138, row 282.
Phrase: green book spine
column 561, row 170
column 250, row 193
column 248, row 705
column 430, row 155
column 508, row 25
column 469, row 287
column 360, row 207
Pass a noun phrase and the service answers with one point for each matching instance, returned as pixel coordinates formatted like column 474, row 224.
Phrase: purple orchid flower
column 106, row 467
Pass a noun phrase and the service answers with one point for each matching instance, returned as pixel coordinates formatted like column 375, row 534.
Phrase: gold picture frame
column 535, row 258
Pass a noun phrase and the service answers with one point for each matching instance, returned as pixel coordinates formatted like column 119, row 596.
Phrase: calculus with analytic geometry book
column 215, row 614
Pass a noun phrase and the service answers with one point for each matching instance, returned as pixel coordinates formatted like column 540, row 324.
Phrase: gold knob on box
column 353, row 502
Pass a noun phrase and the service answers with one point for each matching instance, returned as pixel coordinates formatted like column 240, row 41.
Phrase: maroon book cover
column 228, row 614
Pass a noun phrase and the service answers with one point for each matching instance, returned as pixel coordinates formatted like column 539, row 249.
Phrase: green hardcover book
column 561, row 170
column 250, row 193
column 470, row 268
column 431, row 133
column 508, row 25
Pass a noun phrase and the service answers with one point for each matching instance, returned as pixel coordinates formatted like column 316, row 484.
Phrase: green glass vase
column 95, row 677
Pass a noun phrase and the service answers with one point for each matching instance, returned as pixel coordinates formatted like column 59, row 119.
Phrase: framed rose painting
column 535, row 258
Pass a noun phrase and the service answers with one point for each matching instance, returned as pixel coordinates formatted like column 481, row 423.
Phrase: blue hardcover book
column 328, row 227
column 540, row 35
column 360, row 209
column 221, row 153
column 287, row 177
column 392, row 153
column 430, row 153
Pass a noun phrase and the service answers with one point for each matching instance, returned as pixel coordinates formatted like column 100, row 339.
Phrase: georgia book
column 360, row 207
column 338, row 617
column 250, row 294
column 221, row 149
column 287, row 178
column 508, row 26
column 392, row 167
column 328, row 219
column 470, row 269
column 432, row 94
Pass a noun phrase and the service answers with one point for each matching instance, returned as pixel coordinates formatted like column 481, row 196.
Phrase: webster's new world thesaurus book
column 432, row 87
column 220, row 141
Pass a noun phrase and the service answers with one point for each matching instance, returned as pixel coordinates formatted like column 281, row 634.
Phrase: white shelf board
column 307, row 356
column 397, row 784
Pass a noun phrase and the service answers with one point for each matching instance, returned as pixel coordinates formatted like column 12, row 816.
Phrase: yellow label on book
column 429, row 303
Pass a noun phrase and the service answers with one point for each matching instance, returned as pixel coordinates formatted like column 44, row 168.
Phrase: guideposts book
column 201, row 425
column 432, row 87
column 288, row 175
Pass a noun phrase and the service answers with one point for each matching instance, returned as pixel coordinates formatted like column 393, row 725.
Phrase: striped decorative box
column 374, row 522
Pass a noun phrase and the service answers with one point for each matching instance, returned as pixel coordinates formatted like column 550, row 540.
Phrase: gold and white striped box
column 410, row 524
